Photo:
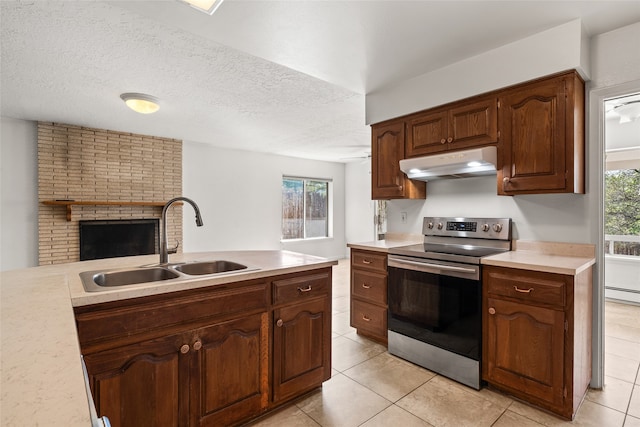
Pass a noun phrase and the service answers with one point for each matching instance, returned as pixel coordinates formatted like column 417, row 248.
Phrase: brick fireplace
column 92, row 165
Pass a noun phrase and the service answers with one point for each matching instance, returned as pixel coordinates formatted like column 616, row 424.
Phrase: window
column 305, row 208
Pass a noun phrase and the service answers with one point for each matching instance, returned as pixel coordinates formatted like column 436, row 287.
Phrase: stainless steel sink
column 209, row 267
column 101, row 280
column 130, row 277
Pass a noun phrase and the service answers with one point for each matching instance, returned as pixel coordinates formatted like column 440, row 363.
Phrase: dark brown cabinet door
column 525, row 349
column 461, row 125
column 427, row 133
column 542, row 137
column 229, row 380
column 301, row 347
column 142, row 384
column 387, row 180
column 473, row 124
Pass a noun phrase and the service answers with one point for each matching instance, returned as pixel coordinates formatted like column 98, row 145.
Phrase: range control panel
column 480, row 228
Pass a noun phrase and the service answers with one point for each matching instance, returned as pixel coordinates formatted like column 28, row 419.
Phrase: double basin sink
column 95, row 281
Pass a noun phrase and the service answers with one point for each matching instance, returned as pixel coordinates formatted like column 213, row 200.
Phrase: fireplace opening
column 118, row 238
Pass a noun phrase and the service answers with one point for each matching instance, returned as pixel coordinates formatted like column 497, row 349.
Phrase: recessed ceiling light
column 141, row 103
column 206, row 6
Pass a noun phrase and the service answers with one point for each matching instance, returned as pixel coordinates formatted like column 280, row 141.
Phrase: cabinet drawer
column 527, row 286
column 369, row 318
column 369, row 286
column 369, row 260
column 122, row 320
column 300, row 288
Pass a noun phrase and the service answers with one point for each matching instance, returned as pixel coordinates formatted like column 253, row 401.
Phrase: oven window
column 440, row 310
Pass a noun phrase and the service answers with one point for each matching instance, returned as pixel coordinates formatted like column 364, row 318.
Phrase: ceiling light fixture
column 206, row 6
column 629, row 111
column 141, row 103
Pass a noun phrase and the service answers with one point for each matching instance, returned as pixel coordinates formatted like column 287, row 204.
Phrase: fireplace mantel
column 70, row 203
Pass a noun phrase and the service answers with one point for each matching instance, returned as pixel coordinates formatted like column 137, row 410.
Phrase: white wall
column 615, row 57
column 550, row 217
column 240, row 197
column 18, row 194
column 561, row 48
column 359, row 207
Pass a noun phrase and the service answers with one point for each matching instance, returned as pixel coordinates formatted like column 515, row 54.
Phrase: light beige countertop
column 550, row 257
column 41, row 374
column 392, row 240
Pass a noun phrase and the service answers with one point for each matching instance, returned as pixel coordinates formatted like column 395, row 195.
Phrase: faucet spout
column 164, row 252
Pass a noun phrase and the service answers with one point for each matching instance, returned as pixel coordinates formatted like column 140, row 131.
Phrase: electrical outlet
column 403, row 217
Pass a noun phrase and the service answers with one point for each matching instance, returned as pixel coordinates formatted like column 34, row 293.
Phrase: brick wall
column 87, row 164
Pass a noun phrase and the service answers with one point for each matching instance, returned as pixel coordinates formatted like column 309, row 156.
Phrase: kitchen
column 569, row 218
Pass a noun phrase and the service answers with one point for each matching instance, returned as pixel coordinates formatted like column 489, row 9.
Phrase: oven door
column 436, row 302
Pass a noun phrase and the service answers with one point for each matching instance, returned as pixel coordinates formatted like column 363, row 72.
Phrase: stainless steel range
column 435, row 291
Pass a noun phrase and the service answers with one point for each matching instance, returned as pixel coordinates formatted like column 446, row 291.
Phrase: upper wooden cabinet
column 387, row 149
column 538, row 127
column 542, row 137
column 464, row 124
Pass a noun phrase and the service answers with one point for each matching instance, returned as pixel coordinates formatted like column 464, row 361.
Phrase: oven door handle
column 429, row 265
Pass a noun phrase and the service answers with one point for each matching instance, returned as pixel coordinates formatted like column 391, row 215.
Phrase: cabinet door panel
column 387, row 149
column 534, row 138
column 138, row 385
column 427, row 134
column 301, row 347
column 231, row 367
column 386, row 153
column 474, row 124
column 525, row 349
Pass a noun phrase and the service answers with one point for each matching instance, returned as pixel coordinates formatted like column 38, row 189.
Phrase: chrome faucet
column 164, row 252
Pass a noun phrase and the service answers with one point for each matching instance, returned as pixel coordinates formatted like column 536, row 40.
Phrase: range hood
column 455, row 164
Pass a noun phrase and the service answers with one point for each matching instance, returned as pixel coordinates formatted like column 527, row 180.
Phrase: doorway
column 622, row 241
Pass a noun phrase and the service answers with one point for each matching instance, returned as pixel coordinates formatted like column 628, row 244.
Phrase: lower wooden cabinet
column 537, row 336
column 229, row 373
column 301, row 348
column 185, row 379
column 369, row 293
column 142, row 384
column 219, row 356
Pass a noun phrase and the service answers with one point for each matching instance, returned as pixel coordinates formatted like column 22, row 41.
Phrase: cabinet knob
column 184, row 349
column 279, row 323
column 506, row 181
column 492, row 310
column 197, row 345
column 443, row 141
column 449, row 139
column 307, row 289
column 522, row 291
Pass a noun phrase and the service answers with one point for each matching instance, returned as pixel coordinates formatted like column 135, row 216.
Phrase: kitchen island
column 42, row 381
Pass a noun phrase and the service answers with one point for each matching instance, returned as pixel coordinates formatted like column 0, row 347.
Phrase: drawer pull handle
column 492, row 310
column 522, row 291
column 365, row 318
column 366, row 261
column 364, row 285
column 184, row 349
column 307, row 289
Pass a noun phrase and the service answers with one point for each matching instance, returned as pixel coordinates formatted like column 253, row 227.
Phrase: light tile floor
column 371, row 388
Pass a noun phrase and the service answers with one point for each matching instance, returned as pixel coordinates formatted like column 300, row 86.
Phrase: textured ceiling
column 273, row 76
